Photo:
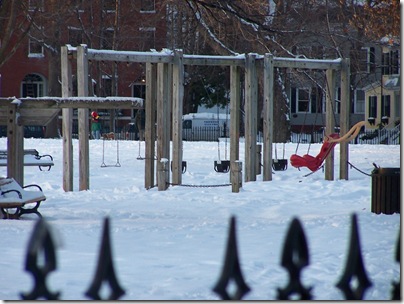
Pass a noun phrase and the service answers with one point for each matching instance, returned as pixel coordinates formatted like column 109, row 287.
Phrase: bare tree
column 15, row 25
column 290, row 28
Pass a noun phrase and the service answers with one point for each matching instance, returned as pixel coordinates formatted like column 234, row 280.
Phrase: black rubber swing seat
column 222, row 166
column 279, row 164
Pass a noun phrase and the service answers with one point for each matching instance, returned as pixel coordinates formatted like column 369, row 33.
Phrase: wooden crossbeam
column 75, row 102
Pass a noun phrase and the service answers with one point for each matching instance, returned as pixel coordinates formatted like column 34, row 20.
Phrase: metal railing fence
column 353, row 282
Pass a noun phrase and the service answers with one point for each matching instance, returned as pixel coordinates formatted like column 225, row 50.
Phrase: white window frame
column 40, row 85
column 32, row 54
column 298, row 100
column 369, row 63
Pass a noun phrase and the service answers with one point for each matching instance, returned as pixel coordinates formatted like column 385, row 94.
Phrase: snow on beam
column 163, row 57
column 166, row 56
column 130, row 56
column 114, row 102
column 304, row 63
column 238, row 60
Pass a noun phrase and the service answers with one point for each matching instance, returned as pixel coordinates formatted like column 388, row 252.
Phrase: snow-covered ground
column 170, row 245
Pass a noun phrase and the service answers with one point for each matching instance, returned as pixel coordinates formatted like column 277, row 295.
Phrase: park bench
column 31, row 158
column 13, row 196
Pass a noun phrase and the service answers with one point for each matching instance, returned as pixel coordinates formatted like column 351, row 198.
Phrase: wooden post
column 344, row 117
column 162, row 173
column 15, row 144
column 178, row 95
column 67, row 121
column 234, row 115
column 82, row 90
column 236, row 176
column 268, row 116
column 330, row 122
column 150, row 128
column 163, row 125
column 258, row 160
column 250, row 117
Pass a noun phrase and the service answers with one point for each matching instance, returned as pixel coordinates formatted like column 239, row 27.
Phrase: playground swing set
column 109, row 137
column 222, row 166
column 314, row 163
column 279, row 164
column 164, row 70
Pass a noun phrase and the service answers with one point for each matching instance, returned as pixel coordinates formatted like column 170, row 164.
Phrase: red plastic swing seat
column 311, row 162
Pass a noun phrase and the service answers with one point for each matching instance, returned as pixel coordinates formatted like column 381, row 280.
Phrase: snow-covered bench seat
column 13, row 196
column 31, row 158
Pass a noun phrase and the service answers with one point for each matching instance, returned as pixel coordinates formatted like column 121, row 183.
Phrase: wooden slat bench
column 31, row 158
column 13, row 196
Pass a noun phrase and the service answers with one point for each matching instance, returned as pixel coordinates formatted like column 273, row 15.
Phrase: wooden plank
column 207, row 60
column 268, row 116
column 130, row 56
column 164, row 57
column 83, row 119
column 76, row 102
column 29, row 117
column 251, row 118
column 305, row 63
column 330, row 121
column 178, row 96
column 15, row 145
column 344, row 117
column 235, row 101
column 163, row 126
column 150, row 127
column 67, row 121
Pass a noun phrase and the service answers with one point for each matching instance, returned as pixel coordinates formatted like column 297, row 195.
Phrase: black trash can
column 386, row 190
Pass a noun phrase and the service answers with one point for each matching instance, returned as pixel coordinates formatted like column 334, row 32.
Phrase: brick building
column 34, row 69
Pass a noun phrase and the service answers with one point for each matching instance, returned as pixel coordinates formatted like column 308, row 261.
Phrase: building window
column 36, row 5
column 139, row 90
column 367, row 60
column 107, row 39
column 359, row 106
column 109, row 5
column 397, row 105
column 391, row 63
column 372, row 106
column 75, row 36
column 147, row 6
column 147, row 39
column 35, row 48
column 303, row 100
column 386, row 106
column 106, row 86
column 33, row 85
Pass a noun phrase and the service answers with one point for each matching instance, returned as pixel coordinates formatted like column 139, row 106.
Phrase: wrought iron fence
column 205, row 133
column 371, row 137
column 295, row 257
